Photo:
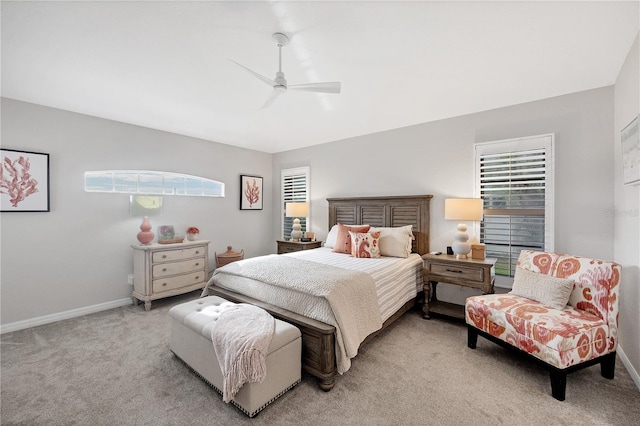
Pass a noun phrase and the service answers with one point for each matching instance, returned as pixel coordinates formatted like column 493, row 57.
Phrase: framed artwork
column 630, row 139
column 24, row 181
column 250, row 192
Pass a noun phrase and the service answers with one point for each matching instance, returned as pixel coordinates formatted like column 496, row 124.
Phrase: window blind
column 295, row 189
column 515, row 182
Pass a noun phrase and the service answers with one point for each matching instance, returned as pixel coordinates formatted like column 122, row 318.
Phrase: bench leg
column 472, row 337
column 558, row 383
column 608, row 365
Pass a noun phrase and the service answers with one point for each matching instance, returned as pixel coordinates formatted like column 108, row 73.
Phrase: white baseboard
column 47, row 319
column 632, row 371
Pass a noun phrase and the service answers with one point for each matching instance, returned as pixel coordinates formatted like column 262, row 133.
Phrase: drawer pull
column 164, row 284
column 197, row 263
column 197, row 252
column 164, row 256
column 455, row 271
column 164, row 269
column 198, row 277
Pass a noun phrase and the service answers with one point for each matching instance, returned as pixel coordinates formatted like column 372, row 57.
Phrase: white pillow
column 395, row 242
column 546, row 289
column 332, row 237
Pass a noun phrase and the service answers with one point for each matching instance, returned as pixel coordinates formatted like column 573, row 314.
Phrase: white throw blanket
column 351, row 295
column 241, row 339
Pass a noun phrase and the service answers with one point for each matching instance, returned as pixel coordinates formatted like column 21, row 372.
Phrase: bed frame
column 318, row 339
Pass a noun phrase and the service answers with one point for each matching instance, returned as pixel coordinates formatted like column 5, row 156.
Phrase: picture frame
column 251, row 192
column 24, row 181
column 630, row 140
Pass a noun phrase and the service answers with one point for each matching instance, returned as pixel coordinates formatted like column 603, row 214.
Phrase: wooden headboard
column 389, row 211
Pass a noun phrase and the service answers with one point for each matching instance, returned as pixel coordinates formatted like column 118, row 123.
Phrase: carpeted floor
column 114, row 367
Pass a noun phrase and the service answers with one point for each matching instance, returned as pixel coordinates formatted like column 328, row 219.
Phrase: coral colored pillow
column 546, row 289
column 343, row 240
column 365, row 244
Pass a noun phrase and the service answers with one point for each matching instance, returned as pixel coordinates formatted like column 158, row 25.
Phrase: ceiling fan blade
column 277, row 91
column 258, row 76
column 328, row 87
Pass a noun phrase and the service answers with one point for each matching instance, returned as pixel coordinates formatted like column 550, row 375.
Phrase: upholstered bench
column 191, row 325
column 562, row 310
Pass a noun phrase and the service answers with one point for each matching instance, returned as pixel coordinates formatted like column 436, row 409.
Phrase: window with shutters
column 295, row 189
column 515, row 179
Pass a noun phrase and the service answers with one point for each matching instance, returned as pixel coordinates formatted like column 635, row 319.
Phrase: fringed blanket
column 241, row 339
column 336, row 296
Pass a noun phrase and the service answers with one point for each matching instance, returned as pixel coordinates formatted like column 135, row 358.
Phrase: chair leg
column 472, row 337
column 608, row 365
column 558, row 383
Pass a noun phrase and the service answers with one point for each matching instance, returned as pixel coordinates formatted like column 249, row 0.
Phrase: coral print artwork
column 250, row 192
column 24, row 181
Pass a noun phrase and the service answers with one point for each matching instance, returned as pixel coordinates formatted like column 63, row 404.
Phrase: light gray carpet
column 115, row 367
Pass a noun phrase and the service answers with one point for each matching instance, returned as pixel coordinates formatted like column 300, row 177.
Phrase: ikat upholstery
column 365, row 245
column 584, row 330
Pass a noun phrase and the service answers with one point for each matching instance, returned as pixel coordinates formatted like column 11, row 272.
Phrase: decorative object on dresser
column 192, row 233
column 250, row 192
column 448, row 269
column 167, row 270
column 228, row 257
column 291, row 246
column 562, row 312
column 145, row 236
column 462, row 209
column 296, row 210
column 24, row 181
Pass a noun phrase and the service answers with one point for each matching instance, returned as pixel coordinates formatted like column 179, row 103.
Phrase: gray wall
column 626, row 213
column 79, row 254
column 437, row 158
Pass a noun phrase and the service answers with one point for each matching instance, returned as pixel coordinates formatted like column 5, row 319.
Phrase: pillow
column 365, row 244
column 395, row 242
column 332, row 236
column 343, row 240
column 546, row 289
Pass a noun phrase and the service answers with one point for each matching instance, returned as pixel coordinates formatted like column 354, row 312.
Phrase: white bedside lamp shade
column 462, row 209
column 296, row 210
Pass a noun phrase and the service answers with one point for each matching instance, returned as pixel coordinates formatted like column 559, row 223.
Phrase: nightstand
column 291, row 246
column 471, row 273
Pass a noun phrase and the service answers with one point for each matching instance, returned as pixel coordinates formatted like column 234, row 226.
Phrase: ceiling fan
column 279, row 83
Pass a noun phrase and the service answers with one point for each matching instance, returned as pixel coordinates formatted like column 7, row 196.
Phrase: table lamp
column 296, row 210
column 462, row 209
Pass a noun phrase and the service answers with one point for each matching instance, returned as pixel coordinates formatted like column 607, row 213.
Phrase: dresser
column 164, row 270
column 470, row 273
column 291, row 246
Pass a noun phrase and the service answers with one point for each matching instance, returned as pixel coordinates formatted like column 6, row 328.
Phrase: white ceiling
column 165, row 65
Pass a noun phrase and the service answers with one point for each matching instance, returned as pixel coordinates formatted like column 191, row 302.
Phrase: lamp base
column 296, row 230
column 461, row 246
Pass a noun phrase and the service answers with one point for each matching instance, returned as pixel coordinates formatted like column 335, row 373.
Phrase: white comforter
column 322, row 292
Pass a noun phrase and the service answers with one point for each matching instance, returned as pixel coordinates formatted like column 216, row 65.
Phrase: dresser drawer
column 174, row 268
column 457, row 272
column 170, row 283
column 288, row 248
column 171, row 255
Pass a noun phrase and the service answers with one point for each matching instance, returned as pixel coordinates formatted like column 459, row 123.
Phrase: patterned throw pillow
column 365, row 244
column 343, row 241
column 546, row 289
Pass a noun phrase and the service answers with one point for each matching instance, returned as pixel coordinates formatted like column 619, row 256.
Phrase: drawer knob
column 164, row 269
column 164, row 284
column 164, row 256
column 454, row 271
column 197, row 252
column 198, row 277
column 197, row 263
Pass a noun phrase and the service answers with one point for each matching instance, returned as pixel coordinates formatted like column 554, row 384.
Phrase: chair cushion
column 559, row 337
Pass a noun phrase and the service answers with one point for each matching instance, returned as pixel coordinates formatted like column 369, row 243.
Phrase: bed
column 323, row 352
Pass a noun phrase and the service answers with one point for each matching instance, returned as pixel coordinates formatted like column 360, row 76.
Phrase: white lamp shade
column 463, row 208
column 297, row 209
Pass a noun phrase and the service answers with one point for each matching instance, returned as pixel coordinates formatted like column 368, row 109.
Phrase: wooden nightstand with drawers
column 291, row 246
column 163, row 270
column 471, row 273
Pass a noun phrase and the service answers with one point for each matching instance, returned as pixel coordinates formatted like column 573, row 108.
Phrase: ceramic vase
column 192, row 236
column 145, row 236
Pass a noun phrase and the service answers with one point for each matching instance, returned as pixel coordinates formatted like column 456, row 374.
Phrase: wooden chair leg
column 558, row 383
column 472, row 337
column 608, row 365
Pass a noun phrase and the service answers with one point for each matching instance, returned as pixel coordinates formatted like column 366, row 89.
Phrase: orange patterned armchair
column 575, row 333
